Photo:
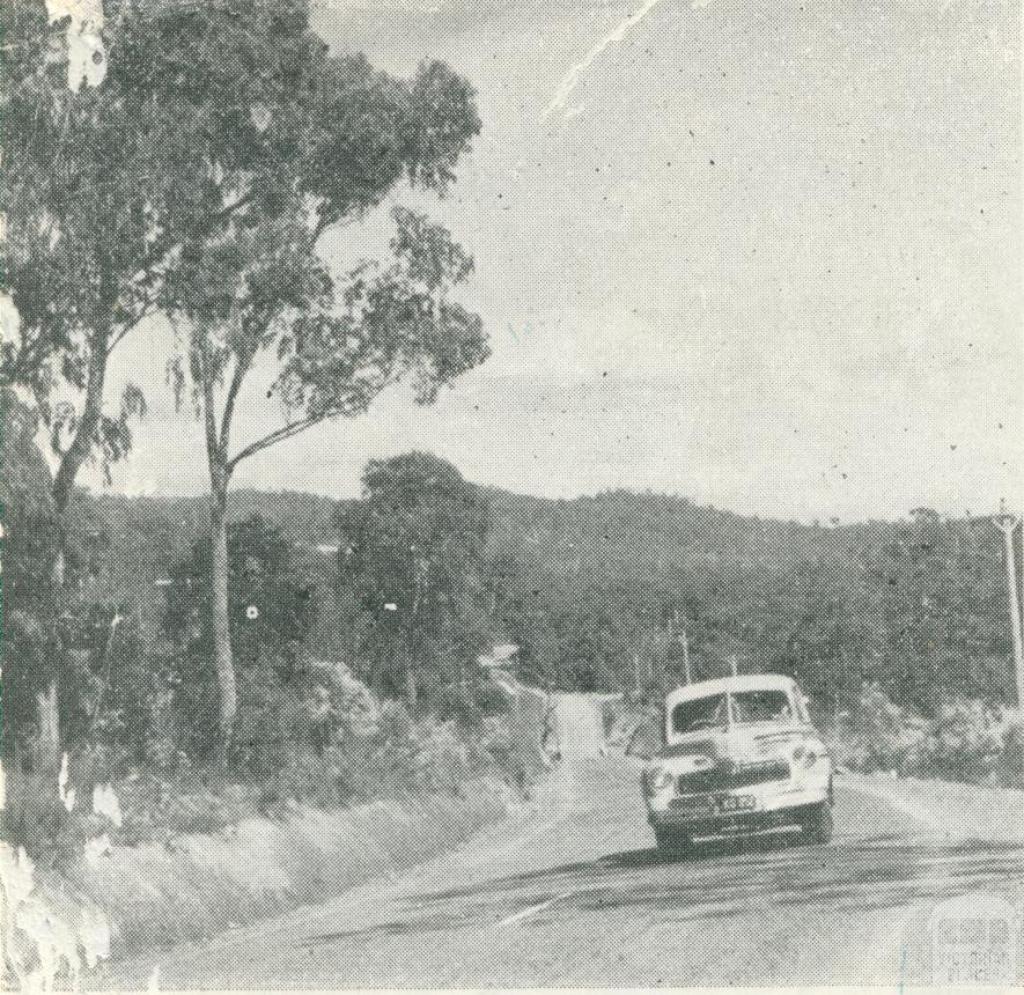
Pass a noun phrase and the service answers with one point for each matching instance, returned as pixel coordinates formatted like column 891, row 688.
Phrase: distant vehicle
column 740, row 755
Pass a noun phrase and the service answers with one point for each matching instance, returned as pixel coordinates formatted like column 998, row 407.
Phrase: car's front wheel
column 818, row 825
column 673, row 842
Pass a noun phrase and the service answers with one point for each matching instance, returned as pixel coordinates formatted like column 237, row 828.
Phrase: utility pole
column 734, row 663
column 686, row 655
column 1007, row 524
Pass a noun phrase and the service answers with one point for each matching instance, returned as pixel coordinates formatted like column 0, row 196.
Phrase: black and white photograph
column 511, row 494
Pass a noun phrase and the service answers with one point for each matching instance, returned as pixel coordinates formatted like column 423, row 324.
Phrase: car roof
column 742, row 682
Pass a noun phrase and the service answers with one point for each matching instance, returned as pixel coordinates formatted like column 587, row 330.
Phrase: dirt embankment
column 200, row 885
column 196, row 886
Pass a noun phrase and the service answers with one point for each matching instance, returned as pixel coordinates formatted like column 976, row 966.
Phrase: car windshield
column 761, row 706
column 700, row 713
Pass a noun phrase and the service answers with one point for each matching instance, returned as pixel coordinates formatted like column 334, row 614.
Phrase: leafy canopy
column 216, row 122
column 412, row 550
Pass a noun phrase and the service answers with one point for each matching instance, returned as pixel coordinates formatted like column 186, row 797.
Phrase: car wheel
column 818, row 824
column 676, row 843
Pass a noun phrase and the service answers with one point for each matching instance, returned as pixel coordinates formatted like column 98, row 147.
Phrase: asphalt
column 569, row 891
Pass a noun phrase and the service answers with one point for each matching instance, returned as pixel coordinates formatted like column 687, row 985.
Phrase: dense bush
column 966, row 740
column 969, row 741
column 874, row 733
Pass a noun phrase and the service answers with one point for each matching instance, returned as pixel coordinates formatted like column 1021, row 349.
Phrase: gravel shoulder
column 957, row 811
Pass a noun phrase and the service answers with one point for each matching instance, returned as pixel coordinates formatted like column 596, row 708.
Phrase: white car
column 740, row 755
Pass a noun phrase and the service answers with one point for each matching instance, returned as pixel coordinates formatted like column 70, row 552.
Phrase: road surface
column 569, row 891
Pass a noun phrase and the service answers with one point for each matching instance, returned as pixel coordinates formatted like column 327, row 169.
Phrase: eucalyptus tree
column 261, row 301
column 412, row 551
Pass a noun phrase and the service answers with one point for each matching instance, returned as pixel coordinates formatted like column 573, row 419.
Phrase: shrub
column 457, row 704
column 874, row 733
column 491, row 699
column 497, row 741
column 964, row 742
column 967, row 740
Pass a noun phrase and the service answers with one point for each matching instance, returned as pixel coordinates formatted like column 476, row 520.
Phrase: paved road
column 569, row 892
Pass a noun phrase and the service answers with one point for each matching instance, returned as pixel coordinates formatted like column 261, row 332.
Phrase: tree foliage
column 413, row 551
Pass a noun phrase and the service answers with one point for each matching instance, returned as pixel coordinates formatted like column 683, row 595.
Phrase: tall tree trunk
column 48, row 745
column 223, row 658
column 85, row 432
column 220, row 477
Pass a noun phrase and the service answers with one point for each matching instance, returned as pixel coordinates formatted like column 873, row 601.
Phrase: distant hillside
column 599, row 590
column 305, row 518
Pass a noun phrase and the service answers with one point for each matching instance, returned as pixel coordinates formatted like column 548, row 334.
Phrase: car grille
column 689, row 749
column 727, row 776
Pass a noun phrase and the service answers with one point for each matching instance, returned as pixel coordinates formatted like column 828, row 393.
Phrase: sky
column 763, row 255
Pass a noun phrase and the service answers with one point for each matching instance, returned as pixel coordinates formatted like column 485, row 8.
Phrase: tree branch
column 242, row 364
column 75, row 455
column 272, row 438
column 116, row 340
column 220, row 470
column 160, row 251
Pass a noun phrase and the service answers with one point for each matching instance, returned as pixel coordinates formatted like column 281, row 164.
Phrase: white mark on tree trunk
column 67, row 795
column 86, row 58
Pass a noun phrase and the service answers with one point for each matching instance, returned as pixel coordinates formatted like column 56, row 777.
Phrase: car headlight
column 808, row 754
column 656, row 779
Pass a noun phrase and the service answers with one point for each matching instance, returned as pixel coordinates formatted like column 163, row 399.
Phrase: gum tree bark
column 220, row 476
column 48, row 744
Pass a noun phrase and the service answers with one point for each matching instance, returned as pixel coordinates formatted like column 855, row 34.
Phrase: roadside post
column 1007, row 524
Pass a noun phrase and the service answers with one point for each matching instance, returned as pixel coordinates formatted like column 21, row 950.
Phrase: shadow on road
column 721, row 880
column 869, row 874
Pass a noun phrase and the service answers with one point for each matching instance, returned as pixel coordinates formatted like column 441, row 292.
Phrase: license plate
column 736, row 803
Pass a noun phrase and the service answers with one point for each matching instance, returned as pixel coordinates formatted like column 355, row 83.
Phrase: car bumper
column 766, row 806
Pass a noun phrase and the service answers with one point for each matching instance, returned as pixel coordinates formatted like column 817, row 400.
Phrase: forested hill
column 304, row 518
column 599, row 590
column 609, row 583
